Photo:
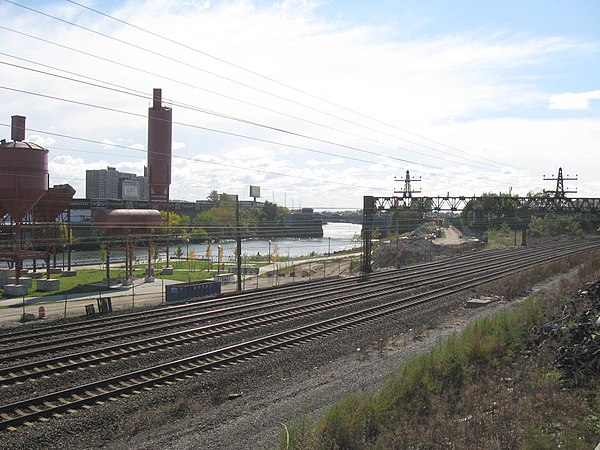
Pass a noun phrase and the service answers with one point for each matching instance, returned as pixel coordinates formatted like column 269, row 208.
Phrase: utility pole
column 407, row 191
column 238, row 239
column 560, row 188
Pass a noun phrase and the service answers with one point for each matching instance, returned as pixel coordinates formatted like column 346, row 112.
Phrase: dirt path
column 451, row 236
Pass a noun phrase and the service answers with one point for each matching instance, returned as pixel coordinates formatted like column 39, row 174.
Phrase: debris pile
column 576, row 338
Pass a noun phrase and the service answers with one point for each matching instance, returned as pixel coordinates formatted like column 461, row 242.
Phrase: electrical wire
column 267, row 141
column 217, row 75
column 130, row 91
column 288, row 86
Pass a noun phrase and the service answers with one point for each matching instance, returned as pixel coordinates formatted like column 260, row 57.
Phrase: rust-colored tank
column 159, row 145
column 53, row 203
column 23, row 172
column 127, row 221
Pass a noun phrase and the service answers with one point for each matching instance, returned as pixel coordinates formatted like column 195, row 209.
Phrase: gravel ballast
column 246, row 405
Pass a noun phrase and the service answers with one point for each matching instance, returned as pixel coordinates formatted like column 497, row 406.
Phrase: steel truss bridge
column 521, row 207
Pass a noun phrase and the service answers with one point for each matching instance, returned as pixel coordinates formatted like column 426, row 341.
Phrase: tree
column 213, row 197
column 103, row 254
column 208, row 255
column 179, row 253
column 491, row 211
column 192, row 260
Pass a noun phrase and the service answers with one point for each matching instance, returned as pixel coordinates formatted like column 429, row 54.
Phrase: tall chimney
column 17, row 131
column 157, row 98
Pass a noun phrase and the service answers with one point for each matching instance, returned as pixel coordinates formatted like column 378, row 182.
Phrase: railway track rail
column 77, row 361
column 68, row 400
column 274, row 293
column 360, row 292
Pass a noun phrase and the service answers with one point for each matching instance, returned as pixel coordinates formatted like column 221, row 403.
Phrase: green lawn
column 87, row 280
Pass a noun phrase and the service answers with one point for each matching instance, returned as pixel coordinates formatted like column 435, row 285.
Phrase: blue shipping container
column 188, row 291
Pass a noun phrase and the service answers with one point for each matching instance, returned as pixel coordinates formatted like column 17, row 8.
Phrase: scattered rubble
column 575, row 338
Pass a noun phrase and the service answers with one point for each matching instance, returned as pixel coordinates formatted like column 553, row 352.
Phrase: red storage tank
column 127, row 221
column 23, row 172
column 54, row 202
column 159, row 145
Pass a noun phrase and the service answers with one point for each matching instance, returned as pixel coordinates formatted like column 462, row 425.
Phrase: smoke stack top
column 157, row 98
column 17, row 131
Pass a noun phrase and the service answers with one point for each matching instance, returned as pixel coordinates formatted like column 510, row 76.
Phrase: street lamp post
column 269, row 251
column 187, row 252
column 219, row 253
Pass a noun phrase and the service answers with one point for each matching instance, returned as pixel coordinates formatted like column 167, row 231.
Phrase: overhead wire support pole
column 407, row 192
column 238, row 238
column 560, row 188
column 367, row 232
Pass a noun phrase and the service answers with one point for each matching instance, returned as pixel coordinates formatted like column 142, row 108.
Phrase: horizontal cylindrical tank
column 159, row 145
column 127, row 221
column 23, row 172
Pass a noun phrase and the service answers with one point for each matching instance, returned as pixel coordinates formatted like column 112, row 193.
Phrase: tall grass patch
column 414, row 390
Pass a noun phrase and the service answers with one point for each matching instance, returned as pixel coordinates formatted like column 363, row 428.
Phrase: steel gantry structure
column 523, row 208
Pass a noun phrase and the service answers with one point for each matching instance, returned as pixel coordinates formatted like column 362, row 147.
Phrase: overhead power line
column 187, row 158
column 199, row 88
column 222, row 131
column 136, row 93
column 280, row 83
column 169, row 58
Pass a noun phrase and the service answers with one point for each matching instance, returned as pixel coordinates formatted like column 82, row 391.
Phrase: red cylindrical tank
column 23, row 173
column 159, row 145
column 127, row 221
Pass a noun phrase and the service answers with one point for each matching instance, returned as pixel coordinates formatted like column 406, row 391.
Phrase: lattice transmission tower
column 560, row 186
column 407, row 192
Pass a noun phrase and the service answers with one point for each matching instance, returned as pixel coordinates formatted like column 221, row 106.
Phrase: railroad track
column 360, row 292
column 80, row 360
column 274, row 293
column 27, row 411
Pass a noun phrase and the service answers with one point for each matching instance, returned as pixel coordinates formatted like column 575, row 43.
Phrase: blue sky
column 472, row 96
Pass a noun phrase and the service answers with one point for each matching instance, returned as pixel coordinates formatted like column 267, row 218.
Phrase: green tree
column 213, row 197
column 491, row 211
column 208, row 256
column 192, row 260
column 103, row 254
column 179, row 254
column 537, row 227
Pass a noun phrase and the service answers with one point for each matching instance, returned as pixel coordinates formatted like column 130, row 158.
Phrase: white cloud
column 462, row 90
column 108, row 143
column 328, row 162
column 41, row 140
column 570, row 100
column 177, row 145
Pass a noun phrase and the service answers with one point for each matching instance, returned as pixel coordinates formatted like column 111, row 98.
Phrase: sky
column 319, row 103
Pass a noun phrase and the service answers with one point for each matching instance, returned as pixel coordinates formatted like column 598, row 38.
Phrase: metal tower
column 407, row 192
column 560, row 188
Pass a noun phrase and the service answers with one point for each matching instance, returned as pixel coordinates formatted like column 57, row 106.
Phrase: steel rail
column 56, row 403
column 274, row 291
column 20, row 352
column 73, row 361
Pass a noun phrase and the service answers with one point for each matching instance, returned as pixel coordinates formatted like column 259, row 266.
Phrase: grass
column 483, row 388
column 86, row 280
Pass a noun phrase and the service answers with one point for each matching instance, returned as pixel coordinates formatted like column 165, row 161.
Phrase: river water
column 336, row 237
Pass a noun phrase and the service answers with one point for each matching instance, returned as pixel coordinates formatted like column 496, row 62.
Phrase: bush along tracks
column 522, row 379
